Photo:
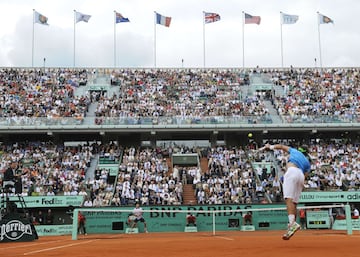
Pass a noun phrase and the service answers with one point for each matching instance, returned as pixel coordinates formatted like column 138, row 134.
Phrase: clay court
column 225, row 244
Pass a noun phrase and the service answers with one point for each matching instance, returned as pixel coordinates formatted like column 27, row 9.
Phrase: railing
column 181, row 120
column 178, row 121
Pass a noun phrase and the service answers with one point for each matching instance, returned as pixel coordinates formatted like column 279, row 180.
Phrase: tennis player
column 298, row 165
column 138, row 213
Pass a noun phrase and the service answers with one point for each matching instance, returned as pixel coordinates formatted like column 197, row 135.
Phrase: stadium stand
column 121, row 162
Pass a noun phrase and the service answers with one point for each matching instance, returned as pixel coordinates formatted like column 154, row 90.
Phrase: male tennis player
column 138, row 213
column 297, row 166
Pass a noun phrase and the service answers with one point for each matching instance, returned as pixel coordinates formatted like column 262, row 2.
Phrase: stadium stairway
column 273, row 113
column 244, row 91
column 90, row 172
column 204, row 165
column 189, row 195
column 279, row 90
column 170, row 167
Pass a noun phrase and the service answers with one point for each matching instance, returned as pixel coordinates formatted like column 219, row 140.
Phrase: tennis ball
column 250, row 135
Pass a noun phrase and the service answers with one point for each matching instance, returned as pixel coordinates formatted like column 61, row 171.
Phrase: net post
column 348, row 219
column 75, row 224
column 213, row 223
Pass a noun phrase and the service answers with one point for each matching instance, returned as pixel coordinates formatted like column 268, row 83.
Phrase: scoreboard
column 318, row 219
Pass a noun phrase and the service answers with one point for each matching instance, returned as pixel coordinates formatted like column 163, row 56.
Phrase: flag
column 324, row 19
column 163, row 20
column 119, row 18
column 211, row 17
column 288, row 18
column 82, row 17
column 39, row 18
column 249, row 19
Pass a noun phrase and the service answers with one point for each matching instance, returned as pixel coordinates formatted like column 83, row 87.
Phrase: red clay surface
column 225, row 244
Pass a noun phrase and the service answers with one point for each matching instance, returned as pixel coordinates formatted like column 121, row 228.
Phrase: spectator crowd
column 233, row 175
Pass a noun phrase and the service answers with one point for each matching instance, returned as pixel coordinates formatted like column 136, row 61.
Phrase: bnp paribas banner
column 330, row 197
column 51, row 201
column 228, row 217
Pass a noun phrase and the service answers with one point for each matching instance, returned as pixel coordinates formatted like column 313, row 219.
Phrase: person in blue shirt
column 298, row 165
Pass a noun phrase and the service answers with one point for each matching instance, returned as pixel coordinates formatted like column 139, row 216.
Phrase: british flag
column 211, row 17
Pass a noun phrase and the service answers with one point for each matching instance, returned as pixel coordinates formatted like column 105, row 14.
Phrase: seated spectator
column 88, row 202
column 49, row 217
column 354, row 213
column 116, row 200
column 40, row 218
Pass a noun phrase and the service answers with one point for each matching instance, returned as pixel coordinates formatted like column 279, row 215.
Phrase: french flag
column 163, row 20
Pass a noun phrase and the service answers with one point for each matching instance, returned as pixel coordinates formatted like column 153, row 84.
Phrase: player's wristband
column 272, row 147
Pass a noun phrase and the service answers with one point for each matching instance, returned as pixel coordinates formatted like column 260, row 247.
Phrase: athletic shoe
column 291, row 231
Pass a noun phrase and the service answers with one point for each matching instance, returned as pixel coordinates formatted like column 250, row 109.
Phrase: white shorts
column 293, row 183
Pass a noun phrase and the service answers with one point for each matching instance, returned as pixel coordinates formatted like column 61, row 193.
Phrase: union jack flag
column 211, row 17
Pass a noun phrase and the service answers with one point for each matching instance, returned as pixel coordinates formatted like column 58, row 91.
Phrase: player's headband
column 302, row 150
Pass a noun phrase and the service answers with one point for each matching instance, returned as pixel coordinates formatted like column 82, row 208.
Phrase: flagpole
column 74, row 38
column 114, row 39
column 204, row 39
column 281, row 39
column 243, row 41
column 33, row 34
column 320, row 58
column 155, row 40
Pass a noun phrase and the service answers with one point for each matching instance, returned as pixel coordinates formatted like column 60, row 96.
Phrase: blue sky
column 226, row 44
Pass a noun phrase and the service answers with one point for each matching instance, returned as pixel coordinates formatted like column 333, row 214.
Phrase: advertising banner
column 51, row 201
column 228, row 217
column 53, row 230
column 330, row 197
column 341, row 224
column 14, row 228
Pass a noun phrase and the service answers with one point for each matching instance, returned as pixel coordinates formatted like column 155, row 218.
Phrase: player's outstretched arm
column 284, row 148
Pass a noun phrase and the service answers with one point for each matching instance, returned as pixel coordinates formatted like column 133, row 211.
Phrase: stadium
column 97, row 139
column 86, row 146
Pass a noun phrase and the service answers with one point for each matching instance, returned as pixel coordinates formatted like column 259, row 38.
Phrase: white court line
column 58, row 247
column 225, row 238
column 29, row 245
